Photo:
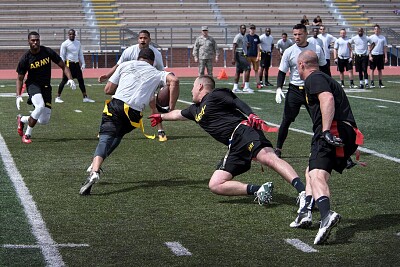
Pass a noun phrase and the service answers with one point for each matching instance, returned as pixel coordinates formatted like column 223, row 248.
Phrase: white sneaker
column 264, row 194
column 87, row 185
column 237, row 90
column 88, row 100
column 248, row 90
column 58, row 100
column 326, row 226
column 303, row 220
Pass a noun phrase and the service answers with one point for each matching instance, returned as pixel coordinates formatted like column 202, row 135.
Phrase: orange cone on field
column 222, row 75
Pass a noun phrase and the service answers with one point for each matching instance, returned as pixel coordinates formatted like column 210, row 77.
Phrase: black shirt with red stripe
column 318, row 82
column 38, row 66
column 218, row 113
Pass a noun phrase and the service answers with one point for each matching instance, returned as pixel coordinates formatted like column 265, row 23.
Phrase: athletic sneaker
column 381, row 86
column 264, row 194
column 236, row 90
column 20, row 127
column 372, row 85
column 162, row 137
column 330, row 221
column 26, row 139
column 248, row 90
column 87, row 185
column 361, row 86
column 58, row 100
column 303, row 220
column 88, row 100
column 301, row 200
column 353, row 86
column 367, row 86
column 269, row 84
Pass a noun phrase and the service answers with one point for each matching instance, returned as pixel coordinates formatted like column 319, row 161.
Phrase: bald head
column 307, row 62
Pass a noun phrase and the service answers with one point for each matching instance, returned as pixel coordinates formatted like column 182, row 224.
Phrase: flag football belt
column 361, row 55
column 265, row 52
column 359, row 137
column 134, row 124
column 297, row 87
column 264, row 127
column 70, row 61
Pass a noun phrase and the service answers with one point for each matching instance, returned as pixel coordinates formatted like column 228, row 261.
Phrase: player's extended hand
column 71, row 84
column 155, row 119
column 255, row 121
column 279, row 95
column 83, row 67
column 18, row 102
column 331, row 139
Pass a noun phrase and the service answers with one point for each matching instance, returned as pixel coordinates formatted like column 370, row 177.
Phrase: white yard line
column 47, row 245
column 374, row 99
column 39, row 246
column 178, row 249
column 300, row 245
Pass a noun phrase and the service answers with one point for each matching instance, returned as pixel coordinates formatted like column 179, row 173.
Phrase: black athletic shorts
column 245, row 145
column 45, row 90
column 75, row 69
column 361, row 63
column 295, row 98
column 377, row 62
column 344, row 64
column 241, row 63
column 327, row 157
column 265, row 59
column 115, row 121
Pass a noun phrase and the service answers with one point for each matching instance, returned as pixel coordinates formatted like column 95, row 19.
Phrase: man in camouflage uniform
column 204, row 50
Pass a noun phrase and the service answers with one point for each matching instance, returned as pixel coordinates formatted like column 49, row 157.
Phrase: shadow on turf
column 377, row 222
column 151, row 184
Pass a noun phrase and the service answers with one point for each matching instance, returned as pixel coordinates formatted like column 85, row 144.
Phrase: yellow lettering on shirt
column 200, row 115
column 251, row 146
column 40, row 63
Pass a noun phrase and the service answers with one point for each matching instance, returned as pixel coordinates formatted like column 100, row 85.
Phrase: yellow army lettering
column 250, row 147
column 200, row 115
column 40, row 63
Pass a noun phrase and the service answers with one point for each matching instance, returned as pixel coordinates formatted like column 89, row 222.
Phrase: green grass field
column 152, row 193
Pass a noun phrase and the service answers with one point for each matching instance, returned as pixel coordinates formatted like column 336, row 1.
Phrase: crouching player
column 232, row 122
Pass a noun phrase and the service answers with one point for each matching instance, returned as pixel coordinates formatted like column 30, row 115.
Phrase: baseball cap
column 252, row 26
column 204, row 28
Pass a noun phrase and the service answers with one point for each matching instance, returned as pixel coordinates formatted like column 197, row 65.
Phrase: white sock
column 29, row 130
column 235, row 86
column 246, row 85
column 24, row 119
column 366, row 81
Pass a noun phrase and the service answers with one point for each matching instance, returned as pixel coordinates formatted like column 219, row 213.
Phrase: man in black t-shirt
column 37, row 63
column 335, row 139
column 232, row 122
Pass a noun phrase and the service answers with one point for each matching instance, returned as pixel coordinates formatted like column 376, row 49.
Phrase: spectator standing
column 327, row 40
column 283, row 44
column 360, row 53
column 37, row 63
column 314, row 39
column 253, row 52
column 377, row 55
column 71, row 53
column 239, row 52
column 266, row 47
column 343, row 56
column 205, row 50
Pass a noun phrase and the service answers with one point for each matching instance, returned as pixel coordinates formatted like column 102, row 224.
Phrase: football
column 162, row 99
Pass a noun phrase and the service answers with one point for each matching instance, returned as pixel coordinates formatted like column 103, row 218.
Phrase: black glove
column 331, row 139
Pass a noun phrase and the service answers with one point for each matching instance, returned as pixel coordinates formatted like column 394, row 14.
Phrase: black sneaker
column 372, row 85
column 381, row 85
column 361, row 86
column 162, row 137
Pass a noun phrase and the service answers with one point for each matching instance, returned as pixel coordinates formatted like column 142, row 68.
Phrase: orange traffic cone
column 222, row 75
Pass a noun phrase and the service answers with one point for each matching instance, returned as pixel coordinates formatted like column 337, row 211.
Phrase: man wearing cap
column 253, row 51
column 204, row 50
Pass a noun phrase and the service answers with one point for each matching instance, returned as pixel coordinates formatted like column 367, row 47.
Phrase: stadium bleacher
column 109, row 24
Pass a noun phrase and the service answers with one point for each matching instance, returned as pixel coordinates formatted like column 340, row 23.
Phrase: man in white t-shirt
column 132, row 85
column 343, row 56
column 131, row 53
column 327, row 40
column 360, row 53
column 266, row 48
column 377, row 55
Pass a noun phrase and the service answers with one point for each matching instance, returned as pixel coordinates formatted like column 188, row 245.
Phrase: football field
column 152, row 205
